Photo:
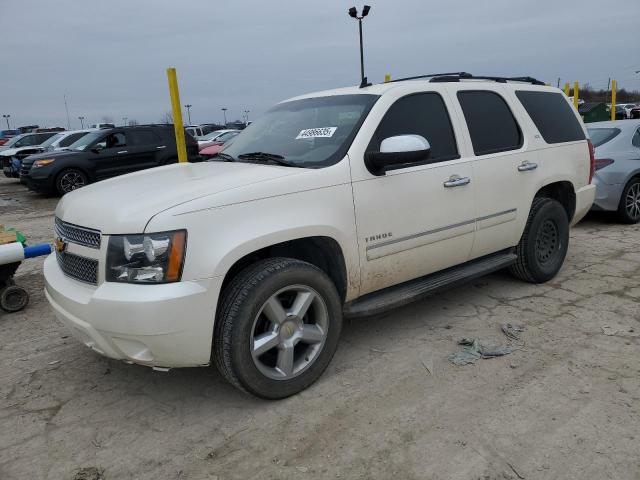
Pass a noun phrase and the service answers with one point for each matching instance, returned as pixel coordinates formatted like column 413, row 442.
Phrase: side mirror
column 398, row 150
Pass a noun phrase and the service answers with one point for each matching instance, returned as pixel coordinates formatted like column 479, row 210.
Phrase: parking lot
column 391, row 405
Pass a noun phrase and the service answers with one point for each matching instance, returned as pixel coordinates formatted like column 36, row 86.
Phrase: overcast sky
column 109, row 57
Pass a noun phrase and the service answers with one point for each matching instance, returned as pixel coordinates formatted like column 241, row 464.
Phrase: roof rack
column 457, row 76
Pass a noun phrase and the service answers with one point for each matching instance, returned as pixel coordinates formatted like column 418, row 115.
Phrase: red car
column 213, row 149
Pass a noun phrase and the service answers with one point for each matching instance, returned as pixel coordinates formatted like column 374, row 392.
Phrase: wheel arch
column 322, row 251
column 564, row 192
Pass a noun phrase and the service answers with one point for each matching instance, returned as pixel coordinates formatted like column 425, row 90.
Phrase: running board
column 407, row 292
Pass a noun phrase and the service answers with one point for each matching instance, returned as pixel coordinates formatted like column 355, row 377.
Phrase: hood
column 55, row 154
column 125, row 204
column 10, row 152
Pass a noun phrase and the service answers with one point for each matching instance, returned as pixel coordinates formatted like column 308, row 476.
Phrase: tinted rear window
column 600, row 136
column 491, row 124
column 143, row 137
column 552, row 115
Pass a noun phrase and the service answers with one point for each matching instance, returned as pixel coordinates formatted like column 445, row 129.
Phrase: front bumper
column 584, row 200
column 168, row 325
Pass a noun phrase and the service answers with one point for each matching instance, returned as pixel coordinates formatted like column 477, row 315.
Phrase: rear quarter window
column 552, row 115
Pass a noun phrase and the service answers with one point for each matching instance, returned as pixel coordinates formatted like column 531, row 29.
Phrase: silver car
column 617, row 176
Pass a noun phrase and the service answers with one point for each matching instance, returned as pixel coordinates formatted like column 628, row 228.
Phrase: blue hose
column 37, row 250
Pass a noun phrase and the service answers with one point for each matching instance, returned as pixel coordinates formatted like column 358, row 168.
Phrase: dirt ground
column 390, row 405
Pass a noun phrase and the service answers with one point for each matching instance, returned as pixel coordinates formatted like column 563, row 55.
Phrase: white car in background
column 627, row 108
column 62, row 140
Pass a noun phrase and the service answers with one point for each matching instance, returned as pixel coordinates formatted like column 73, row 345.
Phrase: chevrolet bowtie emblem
column 60, row 245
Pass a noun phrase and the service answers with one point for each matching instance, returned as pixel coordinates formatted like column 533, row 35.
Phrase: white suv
column 340, row 203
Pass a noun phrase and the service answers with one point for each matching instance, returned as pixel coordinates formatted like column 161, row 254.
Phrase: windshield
column 600, row 136
column 313, row 132
column 15, row 140
column 85, row 141
column 211, row 136
column 52, row 139
column 226, row 136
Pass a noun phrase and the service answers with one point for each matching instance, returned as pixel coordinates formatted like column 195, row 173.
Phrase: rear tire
column 277, row 327
column 70, row 179
column 544, row 243
column 629, row 206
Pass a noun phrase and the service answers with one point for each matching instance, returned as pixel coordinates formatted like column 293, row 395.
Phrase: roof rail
column 457, row 76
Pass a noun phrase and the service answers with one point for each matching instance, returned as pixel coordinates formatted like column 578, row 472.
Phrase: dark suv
column 104, row 154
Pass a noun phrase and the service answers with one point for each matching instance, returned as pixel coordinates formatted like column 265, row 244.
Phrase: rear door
column 504, row 170
column 144, row 149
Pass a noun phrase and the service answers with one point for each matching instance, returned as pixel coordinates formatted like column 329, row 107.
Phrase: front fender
column 219, row 237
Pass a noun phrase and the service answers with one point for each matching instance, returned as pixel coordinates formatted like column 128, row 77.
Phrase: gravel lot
column 566, row 406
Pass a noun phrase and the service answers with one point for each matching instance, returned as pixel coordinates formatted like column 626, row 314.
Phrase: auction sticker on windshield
column 322, row 132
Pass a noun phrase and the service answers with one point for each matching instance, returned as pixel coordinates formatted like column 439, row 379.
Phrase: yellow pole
column 576, row 86
column 614, row 86
column 567, row 89
column 387, row 78
column 177, row 114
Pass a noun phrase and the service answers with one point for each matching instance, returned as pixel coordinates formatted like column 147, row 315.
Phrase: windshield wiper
column 224, row 156
column 268, row 157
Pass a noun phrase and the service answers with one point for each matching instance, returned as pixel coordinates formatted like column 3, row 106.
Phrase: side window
column 636, row 139
column 69, row 139
column 113, row 140
column 143, row 137
column 26, row 141
column 552, row 115
column 491, row 124
column 422, row 114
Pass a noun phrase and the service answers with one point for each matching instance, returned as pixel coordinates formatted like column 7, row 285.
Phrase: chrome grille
column 81, row 268
column 75, row 234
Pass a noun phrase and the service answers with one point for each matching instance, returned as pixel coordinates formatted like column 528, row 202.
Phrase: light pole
column 66, row 107
column 81, row 118
column 188, row 107
column 7, row 117
column 353, row 13
column 124, row 121
column 224, row 114
column 246, row 117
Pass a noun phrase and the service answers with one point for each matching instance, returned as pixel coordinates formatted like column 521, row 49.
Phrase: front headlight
column 151, row 258
column 43, row 162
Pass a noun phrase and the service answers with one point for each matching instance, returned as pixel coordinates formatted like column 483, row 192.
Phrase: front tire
column 629, row 206
column 69, row 180
column 277, row 327
column 544, row 243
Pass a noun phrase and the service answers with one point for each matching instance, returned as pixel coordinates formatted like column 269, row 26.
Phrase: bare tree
column 167, row 117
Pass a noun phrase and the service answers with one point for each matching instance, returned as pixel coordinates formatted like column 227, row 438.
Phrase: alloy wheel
column 71, row 181
column 632, row 201
column 289, row 332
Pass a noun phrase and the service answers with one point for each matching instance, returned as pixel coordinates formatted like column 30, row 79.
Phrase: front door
column 113, row 157
column 415, row 219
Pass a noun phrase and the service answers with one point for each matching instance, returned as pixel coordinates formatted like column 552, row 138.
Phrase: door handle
column 527, row 166
column 161, row 147
column 122, row 151
column 457, row 181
